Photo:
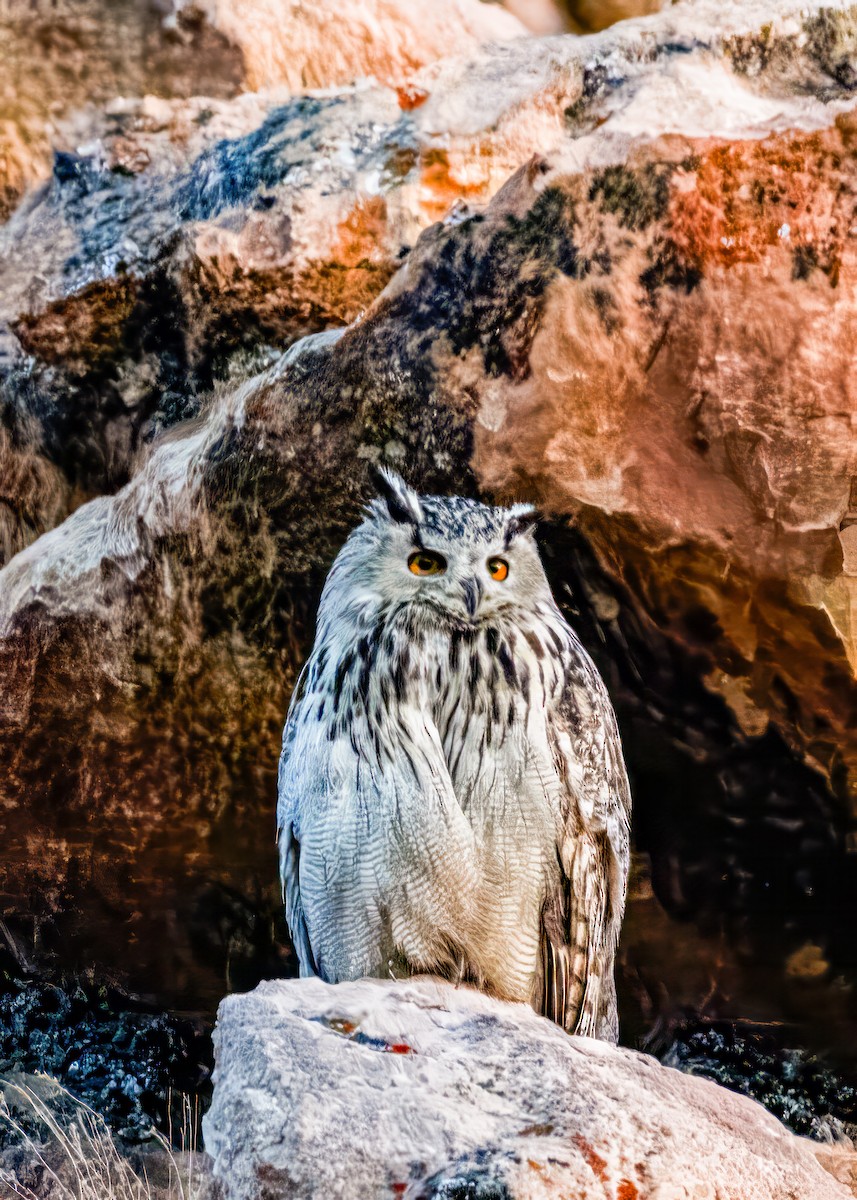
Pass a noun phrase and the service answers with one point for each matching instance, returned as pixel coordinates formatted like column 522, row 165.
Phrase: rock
column 186, row 238
column 303, row 46
column 841, row 1162
column 190, row 240
column 106, row 337
column 421, row 1089
column 64, row 58
column 18, row 165
column 131, row 1066
column 165, row 241
column 648, row 330
column 588, row 16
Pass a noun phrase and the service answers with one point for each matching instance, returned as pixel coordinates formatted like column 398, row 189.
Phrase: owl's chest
column 491, row 710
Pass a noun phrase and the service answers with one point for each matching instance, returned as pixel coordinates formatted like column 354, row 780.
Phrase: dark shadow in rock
column 749, row 863
column 465, row 1183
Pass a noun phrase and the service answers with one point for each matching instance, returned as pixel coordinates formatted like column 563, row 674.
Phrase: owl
column 452, row 793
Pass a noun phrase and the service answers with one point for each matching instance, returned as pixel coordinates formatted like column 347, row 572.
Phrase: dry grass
column 80, row 1159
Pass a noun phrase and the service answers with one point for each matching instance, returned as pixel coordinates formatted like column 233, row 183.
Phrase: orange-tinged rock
column 705, row 442
column 62, row 60
column 302, row 46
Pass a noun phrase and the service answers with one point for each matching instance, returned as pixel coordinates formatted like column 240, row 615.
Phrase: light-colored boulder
column 420, row 1089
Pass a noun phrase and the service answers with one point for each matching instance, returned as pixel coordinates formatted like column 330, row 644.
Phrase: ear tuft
column 403, row 503
column 522, row 520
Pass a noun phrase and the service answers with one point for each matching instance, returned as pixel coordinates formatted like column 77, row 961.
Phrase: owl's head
column 445, row 557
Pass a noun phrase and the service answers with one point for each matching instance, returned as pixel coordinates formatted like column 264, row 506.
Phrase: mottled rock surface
column 176, row 240
column 64, row 59
column 420, row 1089
column 61, row 58
column 302, row 46
column 649, row 330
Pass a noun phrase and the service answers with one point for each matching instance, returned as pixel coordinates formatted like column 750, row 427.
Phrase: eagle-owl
column 452, row 794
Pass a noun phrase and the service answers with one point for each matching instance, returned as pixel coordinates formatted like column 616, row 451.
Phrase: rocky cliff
column 612, row 274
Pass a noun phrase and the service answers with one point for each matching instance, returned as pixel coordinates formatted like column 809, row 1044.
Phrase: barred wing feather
column 582, row 917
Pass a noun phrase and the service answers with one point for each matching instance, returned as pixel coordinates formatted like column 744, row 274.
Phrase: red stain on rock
column 400, row 1048
column 596, row 1163
column 411, row 96
column 731, row 203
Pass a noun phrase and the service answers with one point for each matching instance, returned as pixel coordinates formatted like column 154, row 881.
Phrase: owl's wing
column 582, row 916
column 290, row 849
column 290, row 859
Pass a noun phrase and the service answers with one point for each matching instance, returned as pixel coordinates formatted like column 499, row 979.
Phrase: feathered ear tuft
column 403, row 503
column 523, row 519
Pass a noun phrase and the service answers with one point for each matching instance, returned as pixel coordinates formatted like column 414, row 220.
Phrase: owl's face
column 450, row 558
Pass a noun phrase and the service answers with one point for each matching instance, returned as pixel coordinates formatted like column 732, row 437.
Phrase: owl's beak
column 472, row 589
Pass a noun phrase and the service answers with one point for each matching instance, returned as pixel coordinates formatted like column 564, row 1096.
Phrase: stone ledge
column 420, row 1089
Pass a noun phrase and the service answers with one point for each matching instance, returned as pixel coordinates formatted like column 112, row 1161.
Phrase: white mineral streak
column 352, row 1089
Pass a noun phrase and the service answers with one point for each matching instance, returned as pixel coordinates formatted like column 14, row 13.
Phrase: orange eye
column 424, row 562
column 498, row 569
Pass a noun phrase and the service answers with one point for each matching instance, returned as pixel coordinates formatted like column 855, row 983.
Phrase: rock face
column 64, row 57
column 420, row 1089
column 175, row 237
column 303, row 46
column 649, row 330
